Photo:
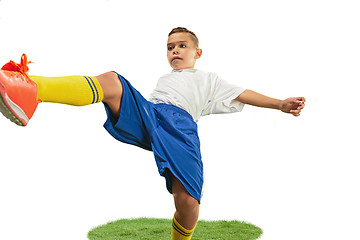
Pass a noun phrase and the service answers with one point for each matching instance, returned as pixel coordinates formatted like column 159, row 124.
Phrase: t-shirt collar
column 185, row 70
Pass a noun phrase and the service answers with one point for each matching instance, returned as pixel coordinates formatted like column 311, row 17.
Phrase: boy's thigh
column 135, row 118
column 177, row 150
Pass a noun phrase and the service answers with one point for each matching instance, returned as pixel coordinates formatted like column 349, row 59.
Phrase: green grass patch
column 160, row 229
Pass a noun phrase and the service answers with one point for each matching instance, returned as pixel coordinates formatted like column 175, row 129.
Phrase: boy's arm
column 290, row 105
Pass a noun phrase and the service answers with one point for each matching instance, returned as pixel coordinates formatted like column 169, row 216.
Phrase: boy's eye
column 172, row 47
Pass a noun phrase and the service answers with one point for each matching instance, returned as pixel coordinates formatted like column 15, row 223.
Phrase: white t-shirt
column 197, row 92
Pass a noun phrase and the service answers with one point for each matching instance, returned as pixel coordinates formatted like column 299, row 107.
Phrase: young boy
column 166, row 124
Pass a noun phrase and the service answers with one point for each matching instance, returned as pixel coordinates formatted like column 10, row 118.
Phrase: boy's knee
column 111, row 85
column 112, row 89
column 186, row 203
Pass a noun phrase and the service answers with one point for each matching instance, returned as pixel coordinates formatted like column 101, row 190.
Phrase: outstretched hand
column 293, row 105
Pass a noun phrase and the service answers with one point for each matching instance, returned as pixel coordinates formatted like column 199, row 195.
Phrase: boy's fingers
column 298, row 103
column 295, row 112
column 302, row 99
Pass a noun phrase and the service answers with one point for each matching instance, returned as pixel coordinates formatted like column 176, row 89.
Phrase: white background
column 296, row 178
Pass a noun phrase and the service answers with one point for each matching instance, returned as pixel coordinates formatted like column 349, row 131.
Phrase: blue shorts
column 169, row 131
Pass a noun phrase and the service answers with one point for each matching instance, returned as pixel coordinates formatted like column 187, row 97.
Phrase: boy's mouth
column 176, row 58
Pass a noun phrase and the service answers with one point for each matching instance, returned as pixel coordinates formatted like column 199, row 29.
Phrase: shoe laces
column 22, row 67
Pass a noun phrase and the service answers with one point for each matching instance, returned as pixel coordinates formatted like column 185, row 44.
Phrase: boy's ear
column 198, row 53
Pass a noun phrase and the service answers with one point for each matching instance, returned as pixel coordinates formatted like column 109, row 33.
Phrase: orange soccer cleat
column 18, row 93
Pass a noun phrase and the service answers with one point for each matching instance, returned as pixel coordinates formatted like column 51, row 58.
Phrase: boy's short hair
column 192, row 34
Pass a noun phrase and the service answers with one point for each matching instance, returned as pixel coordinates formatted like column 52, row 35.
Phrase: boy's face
column 181, row 51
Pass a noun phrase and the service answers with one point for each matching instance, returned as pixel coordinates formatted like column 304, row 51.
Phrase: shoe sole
column 10, row 110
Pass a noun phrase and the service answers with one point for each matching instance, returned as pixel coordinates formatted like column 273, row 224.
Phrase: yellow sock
column 178, row 232
column 72, row 90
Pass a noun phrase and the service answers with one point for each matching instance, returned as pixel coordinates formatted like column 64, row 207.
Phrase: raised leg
column 112, row 89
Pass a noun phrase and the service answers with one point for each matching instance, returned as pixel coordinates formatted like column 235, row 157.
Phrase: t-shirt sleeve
column 224, row 95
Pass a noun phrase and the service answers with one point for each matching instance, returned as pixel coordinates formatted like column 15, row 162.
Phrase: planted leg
column 187, row 212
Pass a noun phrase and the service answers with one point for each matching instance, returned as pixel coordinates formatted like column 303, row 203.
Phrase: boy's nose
column 176, row 50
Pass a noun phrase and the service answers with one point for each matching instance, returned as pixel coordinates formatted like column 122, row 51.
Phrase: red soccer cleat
column 17, row 92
